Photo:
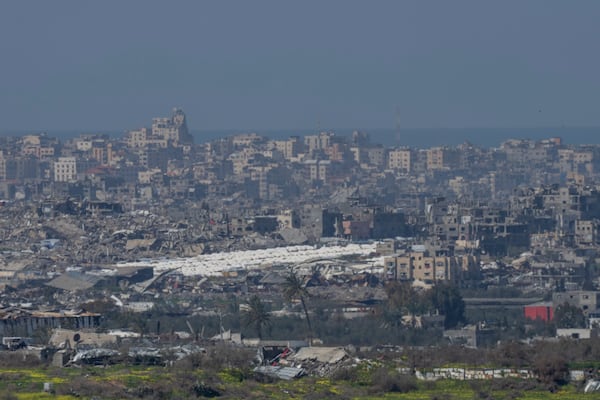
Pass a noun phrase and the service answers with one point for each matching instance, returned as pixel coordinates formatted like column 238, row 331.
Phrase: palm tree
column 294, row 288
column 256, row 315
column 446, row 299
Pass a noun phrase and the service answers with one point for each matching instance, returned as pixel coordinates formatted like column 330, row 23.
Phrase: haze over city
column 267, row 199
column 68, row 65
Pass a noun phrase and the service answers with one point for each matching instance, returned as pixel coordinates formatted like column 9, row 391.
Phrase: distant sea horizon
column 410, row 137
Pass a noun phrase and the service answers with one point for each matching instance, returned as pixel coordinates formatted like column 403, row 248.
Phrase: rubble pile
column 289, row 362
column 322, row 361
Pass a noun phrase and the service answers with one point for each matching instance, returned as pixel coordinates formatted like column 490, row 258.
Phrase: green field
column 135, row 382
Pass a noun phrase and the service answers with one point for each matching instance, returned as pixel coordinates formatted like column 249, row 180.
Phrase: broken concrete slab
column 328, row 355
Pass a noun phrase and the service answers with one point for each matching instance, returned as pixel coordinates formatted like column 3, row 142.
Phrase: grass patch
column 361, row 382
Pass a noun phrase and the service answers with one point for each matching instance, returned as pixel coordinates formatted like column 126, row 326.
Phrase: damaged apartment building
column 490, row 229
column 430, row 264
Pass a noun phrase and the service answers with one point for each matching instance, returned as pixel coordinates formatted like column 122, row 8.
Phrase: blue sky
column 114, row 65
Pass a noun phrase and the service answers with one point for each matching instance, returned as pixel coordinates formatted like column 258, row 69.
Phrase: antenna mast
column 398, row 135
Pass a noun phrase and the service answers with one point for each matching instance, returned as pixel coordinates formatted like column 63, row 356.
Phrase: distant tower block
column 172, row 128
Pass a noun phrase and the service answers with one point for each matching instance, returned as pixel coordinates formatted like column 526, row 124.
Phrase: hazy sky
column 280, row 64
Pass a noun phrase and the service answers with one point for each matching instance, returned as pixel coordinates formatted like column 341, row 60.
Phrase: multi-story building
column 165, row 130
column 65, row 169
column 318, row 170
column 290, row 148
column 318, row 142
column 572, row 161
column 138, row 137
column 288, row 219
column 423, row 266
column 587, row 301
column 399, row 159
column 336, row 152
column 40, row 146
column 174, row 128
column 524, row 153
column 439, row 158
column 38, row 151
column 586, row 232
column 245, row 140
column 18, row 168
column 376, row 155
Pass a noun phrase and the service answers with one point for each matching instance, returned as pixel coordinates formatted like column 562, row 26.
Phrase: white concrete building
column 65, row 169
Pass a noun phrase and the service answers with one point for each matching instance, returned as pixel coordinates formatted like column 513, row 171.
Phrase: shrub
column 19, row 359
column 552, row 370
column 204, row 390
column 385, row 381
column 218, row 358
column 348, row 374
column 8, row 394
column 84, row 387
